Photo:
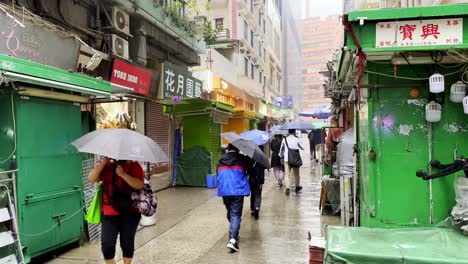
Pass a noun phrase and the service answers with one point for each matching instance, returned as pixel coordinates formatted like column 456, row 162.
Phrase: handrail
column 9, row 171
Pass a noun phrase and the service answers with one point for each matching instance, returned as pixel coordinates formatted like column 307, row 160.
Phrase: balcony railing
column 223, row 34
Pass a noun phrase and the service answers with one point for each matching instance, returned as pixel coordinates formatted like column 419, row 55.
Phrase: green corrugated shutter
column 215, row 144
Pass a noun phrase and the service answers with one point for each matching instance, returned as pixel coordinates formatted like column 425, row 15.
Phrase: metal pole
column 431, row 206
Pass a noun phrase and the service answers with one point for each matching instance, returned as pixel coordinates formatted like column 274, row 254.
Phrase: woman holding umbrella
column 121, row 174
column 118, row 178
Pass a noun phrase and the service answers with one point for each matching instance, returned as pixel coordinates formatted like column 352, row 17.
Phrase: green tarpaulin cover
column 362, row 245
column 193, row 166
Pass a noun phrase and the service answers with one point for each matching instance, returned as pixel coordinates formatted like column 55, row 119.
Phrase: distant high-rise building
column 292, row 53
column 320, row 39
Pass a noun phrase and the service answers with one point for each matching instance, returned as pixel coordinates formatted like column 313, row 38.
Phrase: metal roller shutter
column 215, row 144
column 157, row 125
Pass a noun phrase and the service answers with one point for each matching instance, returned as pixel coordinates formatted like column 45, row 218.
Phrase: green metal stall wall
column 49, row 181
column 392, row 124
column 201, row 131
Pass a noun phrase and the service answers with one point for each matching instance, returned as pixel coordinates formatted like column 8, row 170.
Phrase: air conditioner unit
column 120, row 20
column 119, row 46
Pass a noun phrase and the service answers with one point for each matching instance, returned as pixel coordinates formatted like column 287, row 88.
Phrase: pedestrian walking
column 278, row 167
column 316, row 137
column 292, row 160
column 119, row 179
column 233, row 186
column 256, row 181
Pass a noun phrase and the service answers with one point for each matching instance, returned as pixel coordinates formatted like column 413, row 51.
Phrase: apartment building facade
column 320, row 39
column 248, row 35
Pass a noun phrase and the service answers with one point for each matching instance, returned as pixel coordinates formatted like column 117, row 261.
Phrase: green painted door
column 50, row 174
column 401, row 145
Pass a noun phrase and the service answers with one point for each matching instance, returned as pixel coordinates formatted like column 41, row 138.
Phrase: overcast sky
column 325, row 7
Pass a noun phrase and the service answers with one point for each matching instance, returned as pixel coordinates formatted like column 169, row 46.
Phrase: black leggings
column 123, row 224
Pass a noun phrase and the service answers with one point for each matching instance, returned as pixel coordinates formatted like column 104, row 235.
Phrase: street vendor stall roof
column 34, row 73
column 405, row 13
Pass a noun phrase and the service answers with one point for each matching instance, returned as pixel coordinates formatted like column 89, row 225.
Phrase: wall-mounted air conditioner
column 119, row 46
column 121, row 20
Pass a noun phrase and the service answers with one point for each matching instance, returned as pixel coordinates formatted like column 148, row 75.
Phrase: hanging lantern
column 433, row 112
column 465, row 105
column 436, row 83
column 457, row 92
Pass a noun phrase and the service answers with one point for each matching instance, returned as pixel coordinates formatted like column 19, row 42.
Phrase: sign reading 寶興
column 176, row 82
column 416, row 33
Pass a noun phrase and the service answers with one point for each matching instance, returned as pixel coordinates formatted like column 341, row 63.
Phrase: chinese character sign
column 416, row 33
column 179, row 83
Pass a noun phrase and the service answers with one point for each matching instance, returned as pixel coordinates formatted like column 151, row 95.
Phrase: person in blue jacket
column 233, row 186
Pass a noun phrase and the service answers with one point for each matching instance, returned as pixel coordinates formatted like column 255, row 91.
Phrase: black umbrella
column 247, row 147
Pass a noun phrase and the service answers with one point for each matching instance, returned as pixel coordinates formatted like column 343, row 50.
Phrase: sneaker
column 256, row 214
column 298, row 188
column 233, row 245
column 287, row 191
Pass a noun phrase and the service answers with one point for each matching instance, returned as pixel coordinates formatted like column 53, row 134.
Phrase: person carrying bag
column 291, row 158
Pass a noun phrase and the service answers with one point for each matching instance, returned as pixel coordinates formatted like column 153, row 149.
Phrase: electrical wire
column 14, row 131
column 55, row 225
column 464, row 69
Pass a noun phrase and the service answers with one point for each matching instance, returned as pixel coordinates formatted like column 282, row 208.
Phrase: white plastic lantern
column 433, row 112
column 436, row 83
column 457, row 92
column 465, row 105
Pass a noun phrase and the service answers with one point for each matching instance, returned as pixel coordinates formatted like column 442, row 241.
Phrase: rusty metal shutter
column 157, row 125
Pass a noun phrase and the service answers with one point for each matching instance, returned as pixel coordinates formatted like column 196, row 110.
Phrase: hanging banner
column 415, row 33
column 127, row 75
column 177, row 83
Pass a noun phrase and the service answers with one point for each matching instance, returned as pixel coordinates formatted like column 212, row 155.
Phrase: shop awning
column 19, row 70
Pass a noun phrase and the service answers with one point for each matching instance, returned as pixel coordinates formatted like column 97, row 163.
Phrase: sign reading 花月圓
column 177, row 82
column 415, row 33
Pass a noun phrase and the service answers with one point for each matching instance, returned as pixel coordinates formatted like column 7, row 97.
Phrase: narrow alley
column 191, row 227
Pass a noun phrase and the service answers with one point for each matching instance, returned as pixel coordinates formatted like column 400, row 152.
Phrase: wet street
column 192, row 228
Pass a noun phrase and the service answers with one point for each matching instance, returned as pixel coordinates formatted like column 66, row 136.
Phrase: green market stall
column 201, row 122
column 388, row 71
column 41, row 115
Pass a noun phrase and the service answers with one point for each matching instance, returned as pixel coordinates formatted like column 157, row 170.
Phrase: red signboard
column 131, row 76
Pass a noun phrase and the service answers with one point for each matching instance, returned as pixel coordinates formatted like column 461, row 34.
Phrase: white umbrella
column 121, row 144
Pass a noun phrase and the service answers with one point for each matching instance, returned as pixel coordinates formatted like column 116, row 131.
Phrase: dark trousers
column 255, row 195
column 312, row 150
column 234, row 206
column 123, row 224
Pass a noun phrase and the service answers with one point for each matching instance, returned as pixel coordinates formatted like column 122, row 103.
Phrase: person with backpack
column 119, row 179
column 278, row 167
column 256, row 181
column 233, row 186
column 291, row 158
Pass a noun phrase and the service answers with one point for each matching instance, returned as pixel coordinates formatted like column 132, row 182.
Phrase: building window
column 246, row 31
column 219, row 22
column 252, row 39
column 252, row 71
column 260, row 76
column 246, row 67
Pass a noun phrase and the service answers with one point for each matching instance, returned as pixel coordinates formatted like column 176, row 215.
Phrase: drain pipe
column 431, row 204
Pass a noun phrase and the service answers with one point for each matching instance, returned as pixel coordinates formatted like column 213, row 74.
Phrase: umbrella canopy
column 247, row 147
column 322, row 112
column 121, row 144
column 260, row 137
column 275, row 128
column 298, row 125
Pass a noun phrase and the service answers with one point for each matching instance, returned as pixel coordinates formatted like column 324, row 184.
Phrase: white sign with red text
column 415, row 33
